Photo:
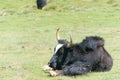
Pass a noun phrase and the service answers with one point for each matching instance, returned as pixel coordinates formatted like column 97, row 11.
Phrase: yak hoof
column 47, row 68
column 55, row 73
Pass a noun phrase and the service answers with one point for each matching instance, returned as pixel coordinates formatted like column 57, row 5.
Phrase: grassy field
column 27, row 35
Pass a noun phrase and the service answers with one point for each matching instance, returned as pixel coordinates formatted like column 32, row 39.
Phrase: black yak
column 41, row 3
column 80, row 58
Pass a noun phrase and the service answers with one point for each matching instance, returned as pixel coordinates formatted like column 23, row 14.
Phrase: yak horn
column 57, row 34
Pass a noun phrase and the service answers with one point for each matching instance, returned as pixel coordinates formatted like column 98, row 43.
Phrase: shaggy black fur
column 77, row 68
column 81, row 58
column 91, row 44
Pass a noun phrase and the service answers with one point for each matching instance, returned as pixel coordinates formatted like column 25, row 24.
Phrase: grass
column 28, row 35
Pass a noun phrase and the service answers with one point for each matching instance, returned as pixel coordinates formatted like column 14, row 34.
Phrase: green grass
column 27, row 35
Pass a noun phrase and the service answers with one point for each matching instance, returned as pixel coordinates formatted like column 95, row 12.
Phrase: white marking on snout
column 58, row 47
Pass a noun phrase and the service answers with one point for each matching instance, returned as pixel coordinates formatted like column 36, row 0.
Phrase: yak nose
column 52, row 65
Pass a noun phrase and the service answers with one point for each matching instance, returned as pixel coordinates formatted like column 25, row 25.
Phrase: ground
column 27, row 35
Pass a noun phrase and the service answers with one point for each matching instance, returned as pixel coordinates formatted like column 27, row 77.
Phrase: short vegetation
column 27, row 35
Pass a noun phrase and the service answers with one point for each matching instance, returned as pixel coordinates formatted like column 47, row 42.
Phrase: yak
column 80, row 58
column 41, row 3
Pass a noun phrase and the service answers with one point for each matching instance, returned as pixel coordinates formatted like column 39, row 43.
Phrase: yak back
column 91, row 44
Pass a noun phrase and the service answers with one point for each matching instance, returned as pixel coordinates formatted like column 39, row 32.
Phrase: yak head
column 60, row 52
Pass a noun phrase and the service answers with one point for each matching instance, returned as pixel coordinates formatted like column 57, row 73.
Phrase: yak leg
column 77, row 68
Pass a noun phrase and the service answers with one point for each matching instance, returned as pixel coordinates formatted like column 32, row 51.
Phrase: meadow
column 27, row 35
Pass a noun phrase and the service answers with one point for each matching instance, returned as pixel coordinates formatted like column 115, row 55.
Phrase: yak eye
column 61, row 50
